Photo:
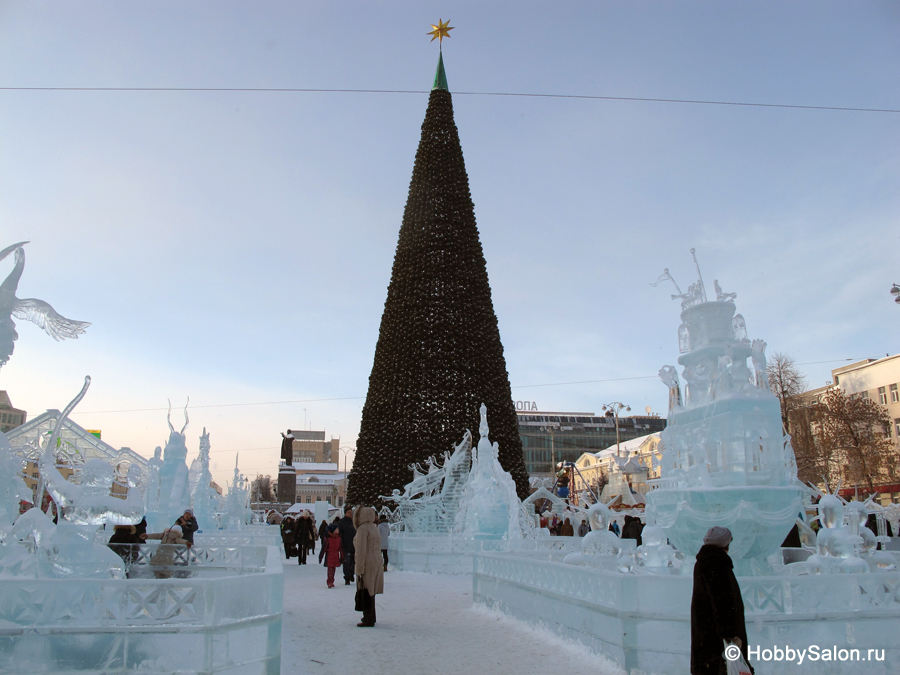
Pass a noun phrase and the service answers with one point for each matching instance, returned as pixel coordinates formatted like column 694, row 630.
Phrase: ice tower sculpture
column 489, row 507
column 726, row 460
column 29, row 309
column 204, row 499
column 236, row 512
column 174, row 492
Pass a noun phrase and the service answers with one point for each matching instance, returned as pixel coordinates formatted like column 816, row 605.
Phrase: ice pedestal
column 759, row 517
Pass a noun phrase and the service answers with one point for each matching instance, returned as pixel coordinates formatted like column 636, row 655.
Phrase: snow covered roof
column 626, row 447
column 315, row 466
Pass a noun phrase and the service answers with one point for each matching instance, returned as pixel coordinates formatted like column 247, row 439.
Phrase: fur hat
column 718, row 536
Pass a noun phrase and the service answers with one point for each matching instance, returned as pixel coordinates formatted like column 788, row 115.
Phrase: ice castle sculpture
column 489, row 506
column 174, row 491
column 28, row 309
column 725, row 458
column 204, row 499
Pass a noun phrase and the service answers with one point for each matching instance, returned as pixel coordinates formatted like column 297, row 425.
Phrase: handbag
column 363, row 599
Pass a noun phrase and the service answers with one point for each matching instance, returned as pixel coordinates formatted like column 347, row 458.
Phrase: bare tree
column 786, row 383
column 262, row 488
column 817, row 461
column 858, row 429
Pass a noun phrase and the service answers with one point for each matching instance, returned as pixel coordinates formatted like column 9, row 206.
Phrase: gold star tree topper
column 441, row 31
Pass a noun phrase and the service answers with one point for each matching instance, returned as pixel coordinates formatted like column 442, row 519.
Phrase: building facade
column 877, row 380
column 552, row 437
column 639, row 460
column 10, row 417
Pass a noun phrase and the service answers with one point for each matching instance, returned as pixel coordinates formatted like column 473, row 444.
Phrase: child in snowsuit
column 334, row 552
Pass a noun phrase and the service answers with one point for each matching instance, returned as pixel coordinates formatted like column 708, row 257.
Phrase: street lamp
column 346, row 450
column 615, row 408
column 895, row 291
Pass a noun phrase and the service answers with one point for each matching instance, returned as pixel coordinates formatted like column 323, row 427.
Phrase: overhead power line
column 357, row 398
column 289, row 90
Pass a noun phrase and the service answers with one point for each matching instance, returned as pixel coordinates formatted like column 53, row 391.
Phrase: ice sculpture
column 204, row 499
column 89, row 502
column 151, row 495
column 28, row 309
column 489, row 506
column 430, row 502
column 12, row 487
column 174, row 493
column 725, row 458
column 236, row 512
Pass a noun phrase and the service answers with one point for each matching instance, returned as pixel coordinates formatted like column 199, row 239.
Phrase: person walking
column 323, row 534
column 566, row 529
column 348, row 532
column 304, row 535
column 367, row 563
column 287, row 537
column 334, row 552
column 717, row 611
column 584, row 528
column 384, row 531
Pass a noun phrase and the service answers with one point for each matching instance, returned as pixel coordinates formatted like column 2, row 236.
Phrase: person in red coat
column 334, row 552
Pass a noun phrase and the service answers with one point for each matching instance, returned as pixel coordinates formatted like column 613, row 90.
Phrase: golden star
column 441, row 31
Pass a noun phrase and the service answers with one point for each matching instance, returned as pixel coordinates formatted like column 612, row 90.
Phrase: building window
column 897, row 428
column 882, row 396
column 864, row 395
column 895, row 395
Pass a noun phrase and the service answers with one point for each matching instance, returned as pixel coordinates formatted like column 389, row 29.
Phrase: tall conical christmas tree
column 439, row 355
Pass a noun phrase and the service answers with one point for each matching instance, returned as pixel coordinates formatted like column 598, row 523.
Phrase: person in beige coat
column 369, row 569
column 165, row 552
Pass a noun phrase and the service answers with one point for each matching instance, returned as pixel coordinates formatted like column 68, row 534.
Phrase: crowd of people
column 357, row 543
column 126, row 539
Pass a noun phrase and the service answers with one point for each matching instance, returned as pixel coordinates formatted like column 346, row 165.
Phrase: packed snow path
column 426, row 624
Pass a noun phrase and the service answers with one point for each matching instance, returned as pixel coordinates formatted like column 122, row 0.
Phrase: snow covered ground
column 426, row 624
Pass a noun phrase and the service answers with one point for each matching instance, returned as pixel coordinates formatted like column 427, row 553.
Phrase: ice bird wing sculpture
column 37, row 311
column 54, row 324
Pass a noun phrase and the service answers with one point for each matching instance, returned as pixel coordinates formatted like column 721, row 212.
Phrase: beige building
column 10, row 417
column 315, row 464
column 877, row 380
column 639, row 459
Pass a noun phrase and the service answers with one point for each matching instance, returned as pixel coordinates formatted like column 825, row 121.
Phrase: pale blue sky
column 236, row 247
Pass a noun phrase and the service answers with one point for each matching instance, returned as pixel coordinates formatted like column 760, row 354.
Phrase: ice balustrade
column 643, row 622
column 198, row 625
column 141, row 560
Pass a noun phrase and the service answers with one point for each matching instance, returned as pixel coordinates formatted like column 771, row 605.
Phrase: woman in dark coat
column 717, row 611
column 188, row 525
column 305, row 535
column 287, row 537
